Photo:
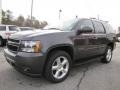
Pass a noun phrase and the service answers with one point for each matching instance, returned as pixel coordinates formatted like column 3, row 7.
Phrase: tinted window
column 98, row 27
column 85, row 23
column 108, row 28
column 13, row 28
column 2, row 28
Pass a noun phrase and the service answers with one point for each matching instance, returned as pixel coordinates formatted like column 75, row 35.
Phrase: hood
column 30, row 34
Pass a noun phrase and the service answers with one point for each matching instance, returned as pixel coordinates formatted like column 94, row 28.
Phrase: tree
column 20, row 21
column 43, row 24
column 36, row 24
column 28, row 22
column 7, row 17
column 3, row 16
column 118, row 32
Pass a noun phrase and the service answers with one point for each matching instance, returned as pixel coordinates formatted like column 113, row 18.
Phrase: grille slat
column 13, row 40
column 13, row 44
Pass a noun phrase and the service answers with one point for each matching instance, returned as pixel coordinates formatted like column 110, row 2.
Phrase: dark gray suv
column 52, row 52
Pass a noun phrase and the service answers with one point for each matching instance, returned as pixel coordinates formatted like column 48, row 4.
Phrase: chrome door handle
column 95, row 37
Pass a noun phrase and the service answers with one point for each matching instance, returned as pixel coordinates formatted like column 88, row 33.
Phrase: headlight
column 30, row 46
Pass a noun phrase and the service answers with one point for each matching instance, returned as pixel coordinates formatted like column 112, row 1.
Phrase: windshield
column 25, row 29
column 67, row 25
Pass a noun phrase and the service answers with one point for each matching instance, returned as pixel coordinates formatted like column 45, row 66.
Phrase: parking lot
column 91, row 76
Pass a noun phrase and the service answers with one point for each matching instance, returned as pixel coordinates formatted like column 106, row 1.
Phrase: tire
column 108, row 55
column 1, row 41
column 57, row 71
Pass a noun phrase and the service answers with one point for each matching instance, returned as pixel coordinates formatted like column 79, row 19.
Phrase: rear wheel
column 58, row 66
column 1, row 41
column 108, row 55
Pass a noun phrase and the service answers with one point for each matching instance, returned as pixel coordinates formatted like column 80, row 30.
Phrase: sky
column 48, row 10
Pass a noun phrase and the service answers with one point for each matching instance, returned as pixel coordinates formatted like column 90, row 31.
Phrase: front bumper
column 28, row 63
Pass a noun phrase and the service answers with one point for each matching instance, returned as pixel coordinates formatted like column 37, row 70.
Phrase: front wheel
column 108, row 55
column 58, row 66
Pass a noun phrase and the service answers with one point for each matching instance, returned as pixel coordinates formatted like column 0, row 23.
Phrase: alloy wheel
column 109, row 54
column 60, row 67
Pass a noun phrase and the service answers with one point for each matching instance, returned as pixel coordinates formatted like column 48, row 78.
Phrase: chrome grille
column 13, row 44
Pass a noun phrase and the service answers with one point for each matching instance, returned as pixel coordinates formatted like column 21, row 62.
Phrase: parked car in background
column 118, row 34
column 53, row 51
column 26, row 28
column 6, row 31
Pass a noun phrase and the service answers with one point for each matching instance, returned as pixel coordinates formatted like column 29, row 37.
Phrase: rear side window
column 98, row 27
column 2, row 28
column 108, row 28
column 13, row 28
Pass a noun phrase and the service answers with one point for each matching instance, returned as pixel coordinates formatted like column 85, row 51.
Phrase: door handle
column 95, row 37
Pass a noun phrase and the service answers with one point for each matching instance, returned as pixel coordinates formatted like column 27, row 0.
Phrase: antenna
column 98, row 17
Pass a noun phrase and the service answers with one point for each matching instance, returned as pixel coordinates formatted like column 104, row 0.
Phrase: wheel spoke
column 64, row 71
column 57, row 74
column 54, row 67
column 58, row 61
column 64, row 62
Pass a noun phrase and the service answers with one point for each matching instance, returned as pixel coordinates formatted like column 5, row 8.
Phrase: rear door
column 100, row 35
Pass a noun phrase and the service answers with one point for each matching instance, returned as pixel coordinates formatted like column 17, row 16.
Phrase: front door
column 85, row 42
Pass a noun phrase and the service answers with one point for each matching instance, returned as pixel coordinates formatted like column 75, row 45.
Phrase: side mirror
column 85, row 29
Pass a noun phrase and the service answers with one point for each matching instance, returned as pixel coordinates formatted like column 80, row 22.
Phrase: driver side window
column 85, row 23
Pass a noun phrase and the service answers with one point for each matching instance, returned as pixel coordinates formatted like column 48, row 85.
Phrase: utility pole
column 60, row 13
column 0, row 11
column 31, row 13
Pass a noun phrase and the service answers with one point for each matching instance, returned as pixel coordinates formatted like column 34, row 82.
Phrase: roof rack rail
column 93, row 18
column 99, row 20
